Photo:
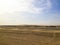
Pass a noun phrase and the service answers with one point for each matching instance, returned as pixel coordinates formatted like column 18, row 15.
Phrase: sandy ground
column 29, row 37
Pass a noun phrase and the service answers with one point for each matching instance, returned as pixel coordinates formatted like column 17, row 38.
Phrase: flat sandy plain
column 28, row 36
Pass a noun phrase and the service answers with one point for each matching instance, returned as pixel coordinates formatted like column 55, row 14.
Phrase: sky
column 29, row 12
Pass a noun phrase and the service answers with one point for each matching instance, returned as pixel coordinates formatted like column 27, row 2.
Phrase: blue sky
column 35, row 12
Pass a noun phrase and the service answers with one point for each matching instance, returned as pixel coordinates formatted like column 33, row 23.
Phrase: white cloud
column 9, row 7
column 40, row 5
column 49, row 4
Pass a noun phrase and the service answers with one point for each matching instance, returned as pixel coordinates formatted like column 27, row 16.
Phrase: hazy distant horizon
column 28, row 25
column 29, row 12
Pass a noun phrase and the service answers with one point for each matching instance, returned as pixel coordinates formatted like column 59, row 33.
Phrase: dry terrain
column 29, row 36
